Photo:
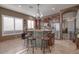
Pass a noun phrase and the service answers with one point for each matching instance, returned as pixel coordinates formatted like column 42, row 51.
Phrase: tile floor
column 16, row 46
column 11, row 46
column 60, row 47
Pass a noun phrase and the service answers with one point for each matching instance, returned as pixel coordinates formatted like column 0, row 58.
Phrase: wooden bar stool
column 50, row 41
column 44, row 44
column 28, row 43
column 33, row 43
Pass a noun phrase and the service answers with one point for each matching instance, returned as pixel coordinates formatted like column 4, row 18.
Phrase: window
column 8, row 23
column 11, row 25
column 30, row 24
column 18, row 24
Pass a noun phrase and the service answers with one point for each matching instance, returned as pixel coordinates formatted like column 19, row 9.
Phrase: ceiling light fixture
column 38, row 14
column 20, row 6
column 30, row 6
column 53, row 8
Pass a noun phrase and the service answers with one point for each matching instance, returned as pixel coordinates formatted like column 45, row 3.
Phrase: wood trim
column 71, row 9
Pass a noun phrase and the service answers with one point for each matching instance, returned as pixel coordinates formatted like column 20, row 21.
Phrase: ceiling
column 31, row 9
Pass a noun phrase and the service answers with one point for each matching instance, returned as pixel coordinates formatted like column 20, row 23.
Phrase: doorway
column 56, row 29
column 68, row 26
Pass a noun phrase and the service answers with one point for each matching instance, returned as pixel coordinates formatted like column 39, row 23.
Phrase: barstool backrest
column 23, row 36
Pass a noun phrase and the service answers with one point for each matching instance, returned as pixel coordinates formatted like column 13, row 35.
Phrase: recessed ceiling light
column 53, row 8
column 20, row 6
column 30, row 6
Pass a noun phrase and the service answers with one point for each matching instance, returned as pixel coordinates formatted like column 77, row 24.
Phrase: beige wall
column 4, row 11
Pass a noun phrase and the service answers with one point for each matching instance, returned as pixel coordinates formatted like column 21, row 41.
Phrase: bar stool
column 23, row 36
column 33, row 44
column 44, row 44
column 50, row 41
column 27, row 38
column 29, row 41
